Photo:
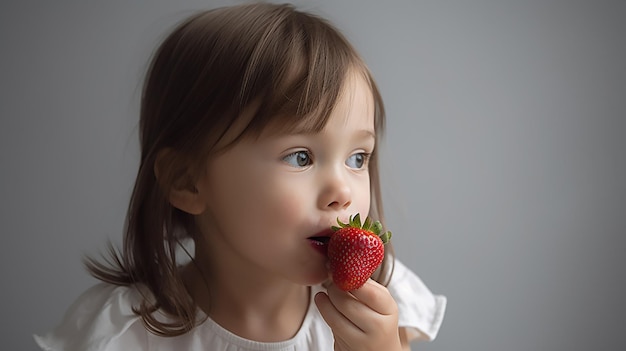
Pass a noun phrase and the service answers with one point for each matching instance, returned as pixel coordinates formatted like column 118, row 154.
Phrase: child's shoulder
column 100, row 319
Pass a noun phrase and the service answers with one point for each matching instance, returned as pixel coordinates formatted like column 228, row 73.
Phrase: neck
column 249, row 303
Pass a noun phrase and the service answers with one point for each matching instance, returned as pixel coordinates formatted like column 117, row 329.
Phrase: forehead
column 355, row 101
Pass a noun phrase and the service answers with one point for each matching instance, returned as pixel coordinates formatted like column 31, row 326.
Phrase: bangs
column 294, row 88
column 307, row 114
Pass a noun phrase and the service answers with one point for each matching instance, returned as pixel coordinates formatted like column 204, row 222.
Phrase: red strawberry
column 355, row 251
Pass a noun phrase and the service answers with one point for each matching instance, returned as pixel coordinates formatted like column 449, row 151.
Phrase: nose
column 335, row 193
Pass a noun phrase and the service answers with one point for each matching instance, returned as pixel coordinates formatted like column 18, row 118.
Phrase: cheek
column 362, row 199
column 242, row 202
column 277, row 202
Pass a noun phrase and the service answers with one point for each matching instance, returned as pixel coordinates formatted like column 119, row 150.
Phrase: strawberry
column 355, row 251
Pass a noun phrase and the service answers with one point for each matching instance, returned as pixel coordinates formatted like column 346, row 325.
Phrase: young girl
column 258, row 130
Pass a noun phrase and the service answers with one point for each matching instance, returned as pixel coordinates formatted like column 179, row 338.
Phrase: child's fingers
column 339, row 323
column 354, row 322
column 376, row 297
column 357, row 312
column 349, row 306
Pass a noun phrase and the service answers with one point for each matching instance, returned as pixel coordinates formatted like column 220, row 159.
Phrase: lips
column 320, row 240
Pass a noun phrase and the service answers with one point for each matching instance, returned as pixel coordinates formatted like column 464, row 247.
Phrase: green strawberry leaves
column 369, row 225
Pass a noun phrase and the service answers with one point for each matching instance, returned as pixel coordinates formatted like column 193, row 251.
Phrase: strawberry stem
column 373, row 226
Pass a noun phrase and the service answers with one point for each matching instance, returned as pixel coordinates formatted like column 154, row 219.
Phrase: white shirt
column 101, row 319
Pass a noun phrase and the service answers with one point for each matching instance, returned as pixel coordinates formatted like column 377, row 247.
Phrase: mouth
column 320, row 241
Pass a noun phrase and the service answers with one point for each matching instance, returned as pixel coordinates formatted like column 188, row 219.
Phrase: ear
column 176, row 181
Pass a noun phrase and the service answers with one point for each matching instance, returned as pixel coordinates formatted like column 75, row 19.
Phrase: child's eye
column 357, row 161
column 298, row 159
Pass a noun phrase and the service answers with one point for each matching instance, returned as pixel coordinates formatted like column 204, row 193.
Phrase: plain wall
column 504, row 179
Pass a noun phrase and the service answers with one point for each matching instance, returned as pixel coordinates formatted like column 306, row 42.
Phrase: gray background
column 505, row 178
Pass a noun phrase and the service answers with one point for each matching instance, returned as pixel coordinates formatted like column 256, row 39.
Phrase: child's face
column 265, row 199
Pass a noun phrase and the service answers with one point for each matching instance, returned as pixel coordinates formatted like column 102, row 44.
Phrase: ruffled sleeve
column 420, row 312
column 101, row 319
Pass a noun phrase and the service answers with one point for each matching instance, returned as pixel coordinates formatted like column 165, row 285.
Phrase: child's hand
column 363, row 319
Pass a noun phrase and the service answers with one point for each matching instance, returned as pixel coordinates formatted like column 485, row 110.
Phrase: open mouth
column 320, row 243
column 320, row 240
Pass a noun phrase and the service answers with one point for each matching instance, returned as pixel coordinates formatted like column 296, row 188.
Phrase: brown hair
column 289, row 65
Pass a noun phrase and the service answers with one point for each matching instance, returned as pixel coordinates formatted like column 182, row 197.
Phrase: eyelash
column 366, row 158
column 300, row 152
column 309, row 159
